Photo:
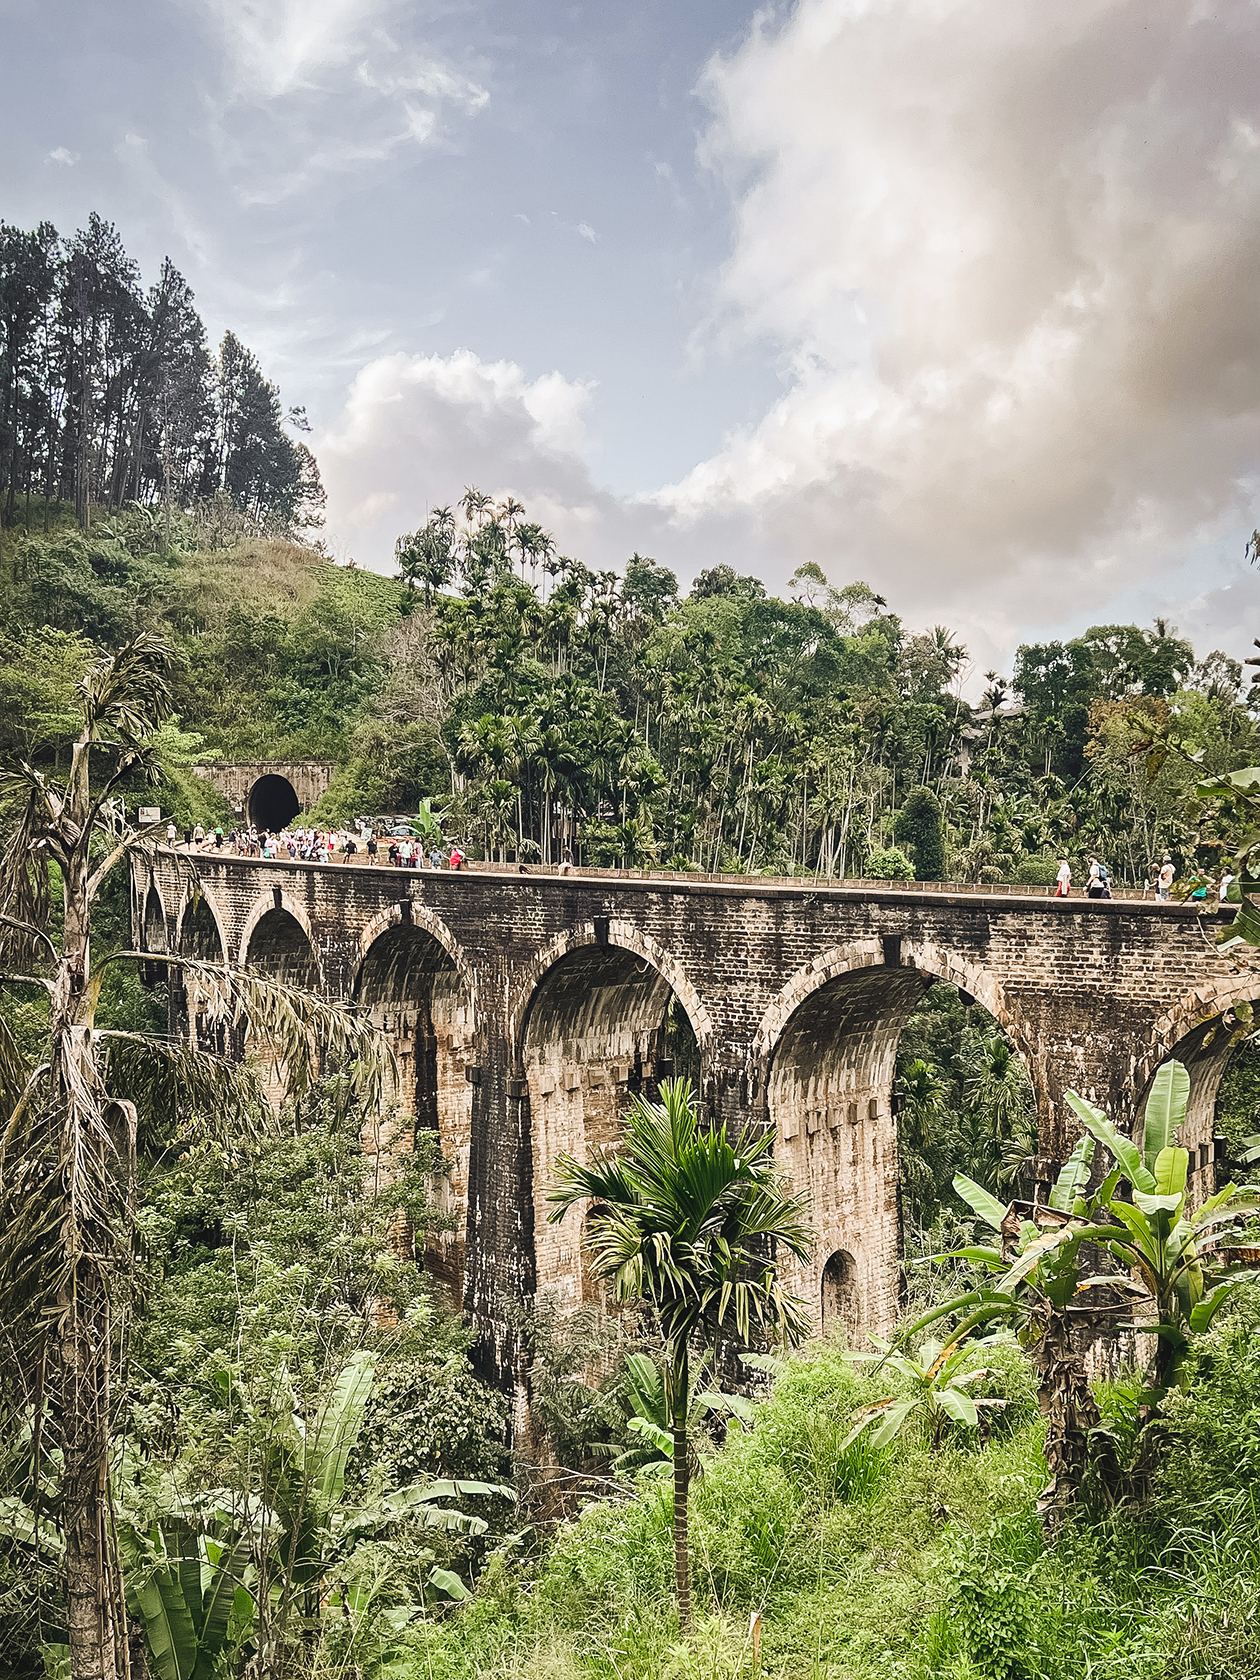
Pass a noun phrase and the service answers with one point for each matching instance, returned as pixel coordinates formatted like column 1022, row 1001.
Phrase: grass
column 902, row 1565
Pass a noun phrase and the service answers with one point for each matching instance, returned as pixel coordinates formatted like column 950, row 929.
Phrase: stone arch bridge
column 525, row 1006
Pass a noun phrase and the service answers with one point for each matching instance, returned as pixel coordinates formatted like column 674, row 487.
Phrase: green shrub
column 988, row 1617
column 888, row 863
column 429, row 1416
column 1036, row 871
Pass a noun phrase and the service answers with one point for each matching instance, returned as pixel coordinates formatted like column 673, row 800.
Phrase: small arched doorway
column 838, row 1303
column 273, row 803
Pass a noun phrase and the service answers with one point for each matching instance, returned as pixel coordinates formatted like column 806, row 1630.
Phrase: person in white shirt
column 1063, row 881
column 1164, row 880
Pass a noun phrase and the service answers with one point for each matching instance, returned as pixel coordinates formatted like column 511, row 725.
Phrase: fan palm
column 68, row 1148
column 687, row 1219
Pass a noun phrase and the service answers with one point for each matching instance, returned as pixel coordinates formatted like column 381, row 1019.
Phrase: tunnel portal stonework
column 240, row 785
column 526, row 1007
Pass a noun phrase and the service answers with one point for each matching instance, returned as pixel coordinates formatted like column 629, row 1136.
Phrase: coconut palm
column 688, row 1219
column 68, row 1150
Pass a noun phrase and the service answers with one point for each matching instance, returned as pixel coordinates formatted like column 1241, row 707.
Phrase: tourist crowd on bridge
column 320, row 845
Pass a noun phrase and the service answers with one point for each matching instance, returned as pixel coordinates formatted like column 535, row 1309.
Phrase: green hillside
column 280, row 648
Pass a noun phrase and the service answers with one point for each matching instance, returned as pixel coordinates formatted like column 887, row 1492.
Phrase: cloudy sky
column 956, row 296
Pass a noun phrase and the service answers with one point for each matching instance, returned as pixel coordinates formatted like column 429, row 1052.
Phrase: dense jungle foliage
column 279, row 1291
column 551, row 711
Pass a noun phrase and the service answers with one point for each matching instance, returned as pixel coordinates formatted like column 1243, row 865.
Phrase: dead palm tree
column 68, row 1146
column 688, row 1219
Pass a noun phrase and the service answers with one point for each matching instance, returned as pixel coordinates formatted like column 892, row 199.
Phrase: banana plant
column 938, row 1390
column 188, row 1590
column 314, row 1526
column 1170, row 1262
column 1172, row 1249
column 270, row 1570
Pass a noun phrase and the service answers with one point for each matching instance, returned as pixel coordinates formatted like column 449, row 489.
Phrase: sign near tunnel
column 526, row 1009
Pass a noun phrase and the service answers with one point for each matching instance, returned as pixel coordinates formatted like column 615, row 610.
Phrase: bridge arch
column 272, row 802
column 625, row 936
column 414, row 984
column 1193, row 1032
column 412, row 913
column 277, row 940
column 603, row 1013
column 155, row 926
column 277, row 944
column 826, row 1062
column 198, row 934
column 199, row 930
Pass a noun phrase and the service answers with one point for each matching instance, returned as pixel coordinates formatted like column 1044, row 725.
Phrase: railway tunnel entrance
column 273, row 803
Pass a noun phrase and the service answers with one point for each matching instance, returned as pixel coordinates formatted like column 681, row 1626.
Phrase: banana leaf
column 1165, row 1110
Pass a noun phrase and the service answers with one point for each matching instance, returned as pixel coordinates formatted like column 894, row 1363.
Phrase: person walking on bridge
column 1063, row 880
column 1099, row 880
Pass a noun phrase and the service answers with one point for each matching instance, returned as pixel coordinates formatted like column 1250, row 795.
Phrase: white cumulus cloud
column 1006, row 254
column 416, row 429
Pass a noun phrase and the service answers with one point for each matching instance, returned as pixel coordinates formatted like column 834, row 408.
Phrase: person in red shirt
column 457, row 857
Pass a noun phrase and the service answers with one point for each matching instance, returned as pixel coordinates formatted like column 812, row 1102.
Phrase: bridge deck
column 836, row 888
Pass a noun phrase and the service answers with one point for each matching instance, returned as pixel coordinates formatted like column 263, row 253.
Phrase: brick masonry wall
column 543, row 996
column 309, row 779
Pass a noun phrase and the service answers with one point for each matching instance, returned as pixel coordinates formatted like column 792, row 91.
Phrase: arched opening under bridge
column 1223, row 1060
column 839, row 1111
column 153, row 936
column 411, row 989
column 273, row 803
column 603, row 1024
column 154, row 920
column 279, row 949
column 193, row 995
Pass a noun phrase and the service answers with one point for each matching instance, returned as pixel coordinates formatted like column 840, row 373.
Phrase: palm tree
column 1000, row 1103
column 68, row 1156
column 688, row 1220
